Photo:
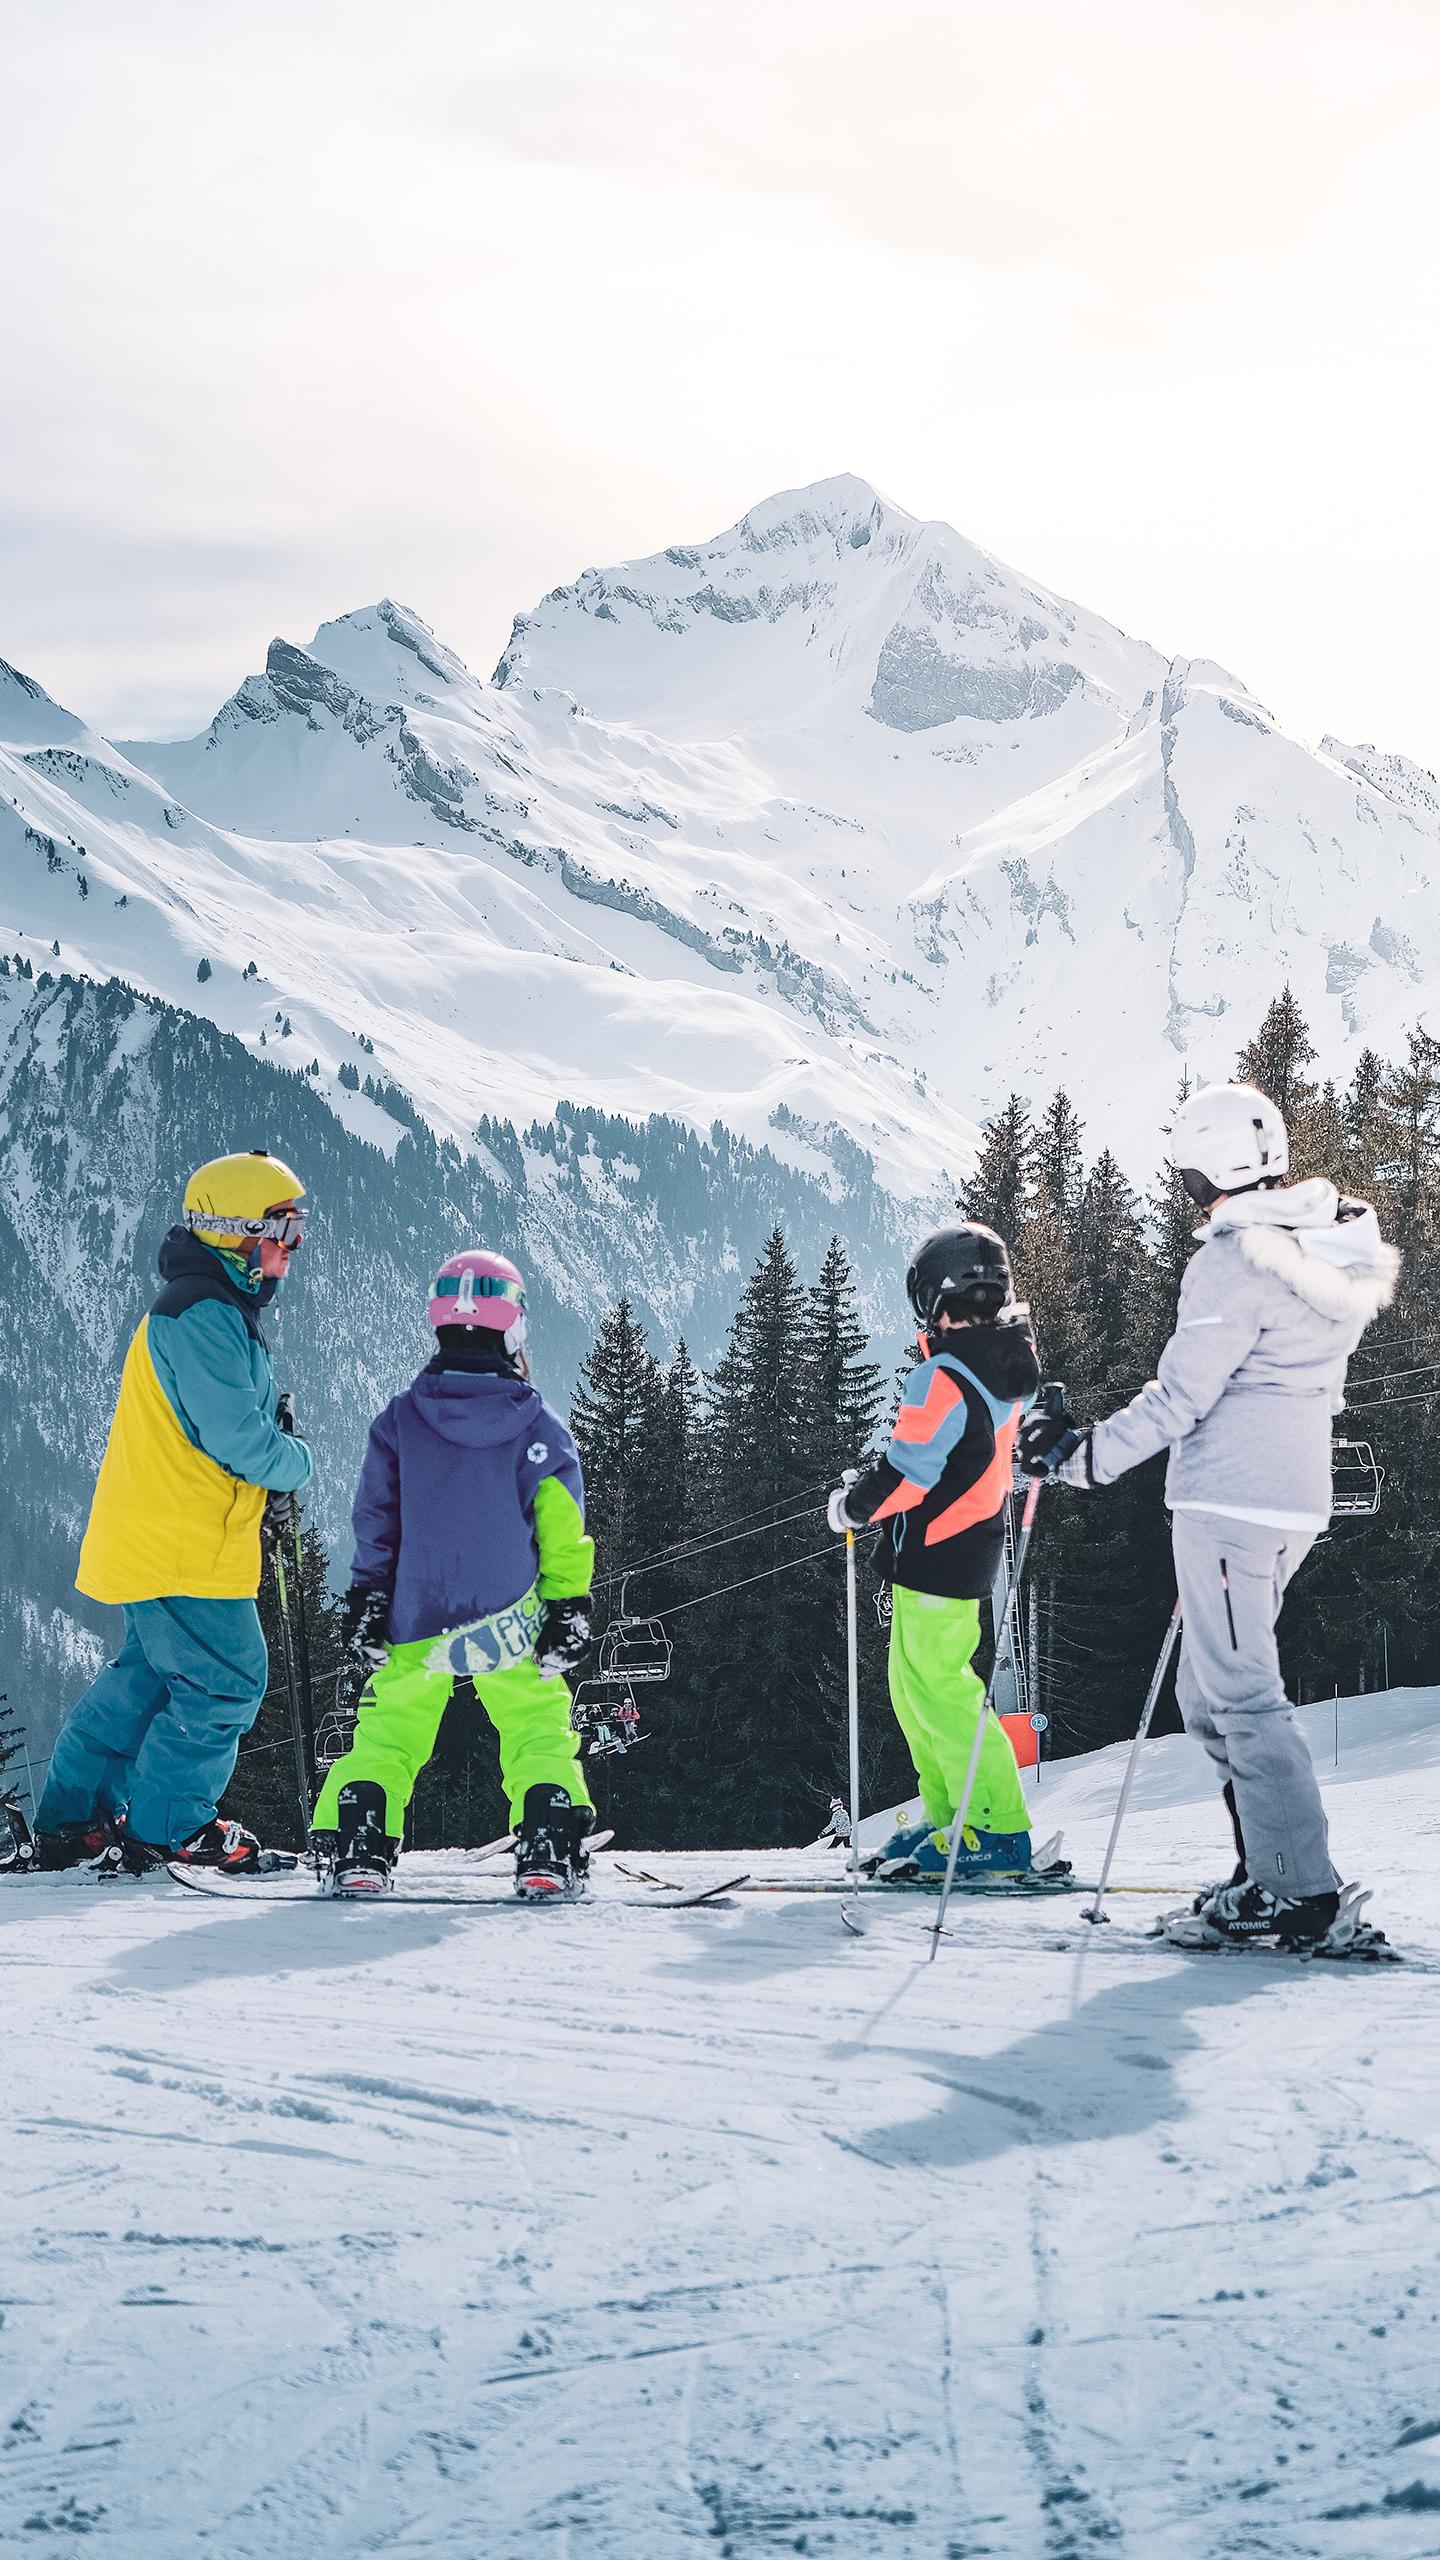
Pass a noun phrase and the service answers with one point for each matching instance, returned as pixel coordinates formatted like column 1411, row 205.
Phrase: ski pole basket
column 1358, row 1478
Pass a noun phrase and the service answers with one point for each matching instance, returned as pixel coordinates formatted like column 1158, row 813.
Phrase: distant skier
column 940, row 1491
column 836, row 1834
column 174, row 1536
column 1271, row 1308
column 471, row 1562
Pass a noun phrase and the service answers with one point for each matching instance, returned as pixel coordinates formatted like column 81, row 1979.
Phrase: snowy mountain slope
column 832, row 827
column 648, row 2236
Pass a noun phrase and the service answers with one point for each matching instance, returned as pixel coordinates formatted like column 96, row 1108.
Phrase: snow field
column 601, row 2232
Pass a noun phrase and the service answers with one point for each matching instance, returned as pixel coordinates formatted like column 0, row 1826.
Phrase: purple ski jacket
column 470, row 1493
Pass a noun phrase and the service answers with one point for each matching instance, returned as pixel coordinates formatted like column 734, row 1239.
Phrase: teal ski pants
column 156, row 1734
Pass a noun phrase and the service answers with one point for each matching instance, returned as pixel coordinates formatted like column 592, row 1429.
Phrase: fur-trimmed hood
column 1327, row 1249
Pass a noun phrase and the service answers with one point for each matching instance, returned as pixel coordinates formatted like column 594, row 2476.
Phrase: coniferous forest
column 706, row 1492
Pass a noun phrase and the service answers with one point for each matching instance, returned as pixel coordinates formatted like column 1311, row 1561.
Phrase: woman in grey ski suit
column 1271, row 1308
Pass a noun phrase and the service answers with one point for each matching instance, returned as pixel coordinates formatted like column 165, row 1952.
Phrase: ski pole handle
column 285, row 1412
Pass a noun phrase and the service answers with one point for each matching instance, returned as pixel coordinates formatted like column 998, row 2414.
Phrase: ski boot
column 363, row 1854
column 551, row 1859
column 982, row 1853
column 85, row 1844
column 1242, row 1914
column 226, row 1846
column 895, row 1854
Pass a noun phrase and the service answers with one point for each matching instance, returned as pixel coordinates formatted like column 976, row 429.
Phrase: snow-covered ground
column 601, row 2232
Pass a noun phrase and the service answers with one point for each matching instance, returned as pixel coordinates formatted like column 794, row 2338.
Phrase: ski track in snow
column 373, row 2231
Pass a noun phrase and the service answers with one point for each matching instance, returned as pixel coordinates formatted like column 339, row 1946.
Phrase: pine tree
column 843, row 1389
column 1364, row 1123
column 1320, row 1145
column 1173, row 1218
column 1276, row 1060
column 1407, row 1135
column 998, row 1192
column 1057, row 1156
column 755, row 1761
column 613, row 1416
column 12, row 1737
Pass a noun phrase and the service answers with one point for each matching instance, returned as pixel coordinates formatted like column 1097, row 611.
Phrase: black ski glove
column 364, row 1613
column 1055, row 1444
column 564, row 1638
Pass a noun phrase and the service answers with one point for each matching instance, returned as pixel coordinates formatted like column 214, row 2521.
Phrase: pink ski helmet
column 480, row 1289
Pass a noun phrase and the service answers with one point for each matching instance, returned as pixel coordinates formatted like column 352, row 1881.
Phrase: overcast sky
column 310, row 301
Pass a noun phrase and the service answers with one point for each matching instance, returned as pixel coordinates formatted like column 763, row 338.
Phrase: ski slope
column 602, row 2233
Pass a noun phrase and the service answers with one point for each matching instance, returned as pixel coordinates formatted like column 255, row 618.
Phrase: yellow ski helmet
column 241, row 1199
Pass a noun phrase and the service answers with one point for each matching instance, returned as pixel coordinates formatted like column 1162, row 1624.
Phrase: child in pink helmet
column 471, row 1561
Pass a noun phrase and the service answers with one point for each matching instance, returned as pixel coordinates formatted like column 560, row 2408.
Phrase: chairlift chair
column 605, row 1717
column 1358, row 1480
column 635, row 1649
column 333, row 1737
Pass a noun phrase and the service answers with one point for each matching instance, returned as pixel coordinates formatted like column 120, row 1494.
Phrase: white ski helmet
column 1228, row 1137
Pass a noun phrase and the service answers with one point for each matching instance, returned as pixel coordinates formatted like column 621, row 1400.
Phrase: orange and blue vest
column 939, row 1491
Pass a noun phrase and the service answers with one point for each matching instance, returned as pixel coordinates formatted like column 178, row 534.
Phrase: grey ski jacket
column 1271, row 1308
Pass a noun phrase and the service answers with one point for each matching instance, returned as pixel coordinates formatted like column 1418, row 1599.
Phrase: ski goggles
column 284, row 1225
column 466, row 1286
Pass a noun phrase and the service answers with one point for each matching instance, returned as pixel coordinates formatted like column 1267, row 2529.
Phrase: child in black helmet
column 940, row 1492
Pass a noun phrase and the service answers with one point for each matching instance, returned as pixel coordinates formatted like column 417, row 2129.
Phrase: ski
column 235, row 1889
column 994, row 1888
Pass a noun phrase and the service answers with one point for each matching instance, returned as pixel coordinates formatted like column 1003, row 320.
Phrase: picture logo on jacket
column 537, row 1453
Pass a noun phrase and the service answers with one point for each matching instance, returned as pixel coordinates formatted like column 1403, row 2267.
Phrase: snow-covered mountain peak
column 821, row 599
column 387, row 652
column 28, row 717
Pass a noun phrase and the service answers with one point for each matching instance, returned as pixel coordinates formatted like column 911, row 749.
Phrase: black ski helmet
column 967, row 1265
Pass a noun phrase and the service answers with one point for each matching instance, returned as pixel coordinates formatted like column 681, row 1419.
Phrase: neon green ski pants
column 937, row 1698
column 399, row 1720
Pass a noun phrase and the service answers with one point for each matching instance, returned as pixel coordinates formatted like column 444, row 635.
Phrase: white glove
column 1078, row 1468
column 836, row 1512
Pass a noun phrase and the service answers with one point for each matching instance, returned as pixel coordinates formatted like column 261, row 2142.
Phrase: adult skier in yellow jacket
column 174, row 1538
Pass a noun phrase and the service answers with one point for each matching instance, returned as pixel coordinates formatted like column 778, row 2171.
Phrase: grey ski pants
column 1232, row 1576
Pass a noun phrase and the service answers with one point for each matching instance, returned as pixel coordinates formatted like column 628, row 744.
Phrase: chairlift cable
column 708, row 1538
column 829, row 1549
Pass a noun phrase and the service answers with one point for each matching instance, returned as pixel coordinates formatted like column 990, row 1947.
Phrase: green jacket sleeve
column 567, row 1555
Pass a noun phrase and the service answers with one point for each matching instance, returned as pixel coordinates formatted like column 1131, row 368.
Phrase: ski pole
column 852, row 1650
column 1002, row 1643
column 307, row 1688
column 1097, row 1917
column 292, row 1686
column 1051, row 1399
column 285, row 1416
